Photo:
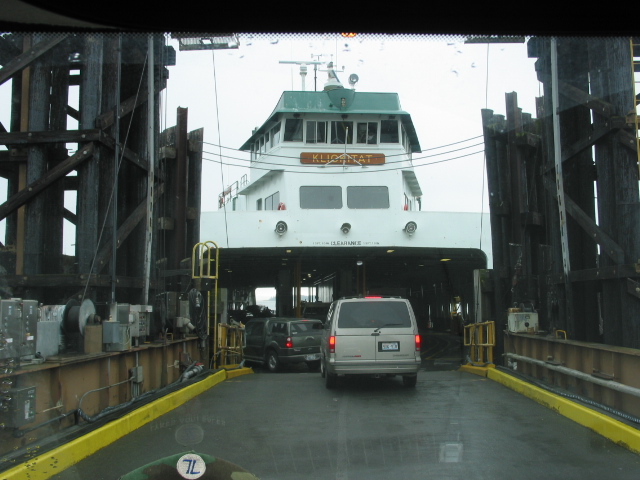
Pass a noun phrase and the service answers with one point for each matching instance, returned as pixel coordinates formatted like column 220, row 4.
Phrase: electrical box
column 10, row 328
column 172, row 305
column 29, row 327
column 22, row 406
column 522, row 322
column 140, row 318
column 48, row 338
column 116, row 337
column 184, row 308
column 119, row 312
column 137, row 374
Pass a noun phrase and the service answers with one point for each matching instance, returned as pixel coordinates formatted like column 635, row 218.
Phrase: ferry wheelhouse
column 332, row 202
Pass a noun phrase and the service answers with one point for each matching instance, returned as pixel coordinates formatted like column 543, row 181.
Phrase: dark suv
column 278, row 341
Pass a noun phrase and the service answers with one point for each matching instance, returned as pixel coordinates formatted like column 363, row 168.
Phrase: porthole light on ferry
column 281, row 227
column 410, row 228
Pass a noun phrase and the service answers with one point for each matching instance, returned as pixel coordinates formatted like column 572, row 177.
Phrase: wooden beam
column 73, row 113
column 598, row 134
column 69, row 280
column 63, row 136
column 609, row 246
column 602, row 273
column 127, row 152
column 592, row 102
column 64, row 167
column 25, row 59
column 70, row 216
column 633, row 288
column 627, row 139
column 103, row 257
column 587, row 142
column 106, row 119
column 7, row 51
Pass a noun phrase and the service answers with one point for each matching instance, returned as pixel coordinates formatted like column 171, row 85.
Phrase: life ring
column 281, row 206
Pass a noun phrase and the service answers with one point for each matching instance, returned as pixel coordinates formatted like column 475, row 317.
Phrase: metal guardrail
column 481, row 338
column 230, row 342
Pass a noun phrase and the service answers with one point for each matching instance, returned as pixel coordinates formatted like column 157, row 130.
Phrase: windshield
column 166, row 197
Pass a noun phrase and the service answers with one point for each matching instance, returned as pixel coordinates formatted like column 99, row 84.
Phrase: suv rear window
column 305, row 327
column 373, row 314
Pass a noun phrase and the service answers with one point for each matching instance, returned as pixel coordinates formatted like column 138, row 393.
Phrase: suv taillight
column 332, row 344
column 418, row 342
column 288, row 343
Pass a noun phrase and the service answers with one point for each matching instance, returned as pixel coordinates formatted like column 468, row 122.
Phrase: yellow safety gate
column 226, row 344
column 230, row 341
column 205, row 278
column 481, row 338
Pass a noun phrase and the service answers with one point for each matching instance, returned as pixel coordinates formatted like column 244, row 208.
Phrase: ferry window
column 341, row 131
column 321, row 197
column 316, row 132
column 275, row 135
column 266, row 140
column 367, row 133
column 272, row 201
column 389, row 131
column 293, row 130
column 368, row 197
column 259, row 204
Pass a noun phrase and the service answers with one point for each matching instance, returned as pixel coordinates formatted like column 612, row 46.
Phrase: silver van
column 370, row 336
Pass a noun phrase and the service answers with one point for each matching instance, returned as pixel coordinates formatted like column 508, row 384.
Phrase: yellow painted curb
column 618, row 432
column 482, row 371
column 238, row 372
column 54, row 461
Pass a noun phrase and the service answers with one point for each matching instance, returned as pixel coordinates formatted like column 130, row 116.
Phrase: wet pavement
column 452, row 425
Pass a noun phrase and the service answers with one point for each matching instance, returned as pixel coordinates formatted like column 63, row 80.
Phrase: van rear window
column 373, row 314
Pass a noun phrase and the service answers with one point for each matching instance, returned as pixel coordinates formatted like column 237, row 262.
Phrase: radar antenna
column 303, row 67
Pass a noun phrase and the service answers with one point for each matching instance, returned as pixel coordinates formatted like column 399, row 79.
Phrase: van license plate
column 389, row 346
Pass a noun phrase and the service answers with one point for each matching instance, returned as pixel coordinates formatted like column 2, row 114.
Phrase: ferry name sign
column 342, row 158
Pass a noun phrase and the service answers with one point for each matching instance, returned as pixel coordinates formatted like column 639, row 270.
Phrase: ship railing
column 232, row 191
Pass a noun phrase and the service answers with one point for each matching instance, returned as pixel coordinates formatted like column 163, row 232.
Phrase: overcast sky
column 441, row 81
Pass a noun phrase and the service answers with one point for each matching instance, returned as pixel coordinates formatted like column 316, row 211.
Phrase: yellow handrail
column 202, row 270
column 481, row 337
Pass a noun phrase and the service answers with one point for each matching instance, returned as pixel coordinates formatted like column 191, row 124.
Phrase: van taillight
column 418, row 341
column 332, row 344
column 288, row 343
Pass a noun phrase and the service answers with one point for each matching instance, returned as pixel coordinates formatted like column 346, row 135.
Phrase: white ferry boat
column 332, row 204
